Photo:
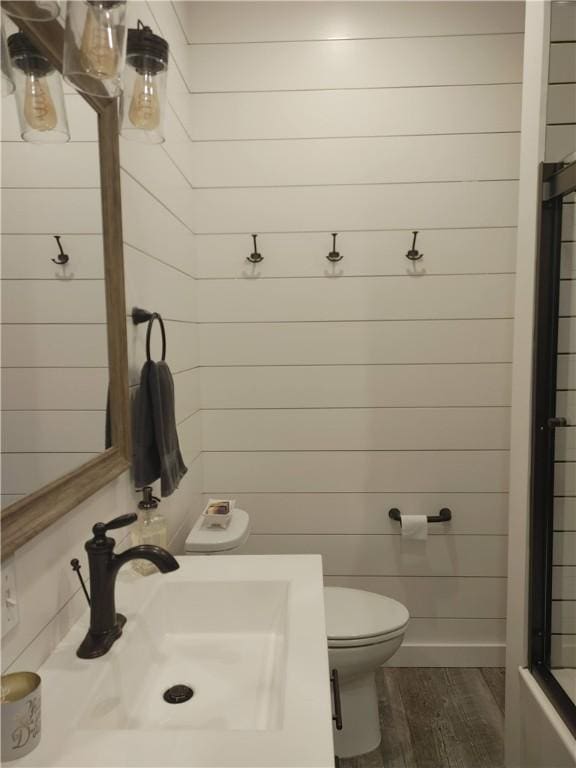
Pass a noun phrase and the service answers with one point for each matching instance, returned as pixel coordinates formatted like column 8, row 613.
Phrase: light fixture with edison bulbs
column 143, row 98
column 94, row 46
column 39, row 94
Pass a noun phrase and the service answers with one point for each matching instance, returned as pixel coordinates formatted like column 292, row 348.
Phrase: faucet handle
column 100, row 529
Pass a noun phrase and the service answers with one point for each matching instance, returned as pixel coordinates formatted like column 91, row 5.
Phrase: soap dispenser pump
column 150, row 529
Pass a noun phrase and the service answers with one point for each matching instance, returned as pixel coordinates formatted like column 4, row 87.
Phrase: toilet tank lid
column 355, row 613
column 201, row 539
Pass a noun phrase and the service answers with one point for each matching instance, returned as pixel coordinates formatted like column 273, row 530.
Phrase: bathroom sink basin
column 237, row 646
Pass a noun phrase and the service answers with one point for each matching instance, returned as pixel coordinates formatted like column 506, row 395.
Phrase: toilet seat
column 356, row 618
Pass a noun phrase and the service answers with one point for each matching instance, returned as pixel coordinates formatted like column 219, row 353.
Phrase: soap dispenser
column 150, row 529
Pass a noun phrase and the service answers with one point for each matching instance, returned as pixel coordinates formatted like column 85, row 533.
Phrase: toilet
column 218, row 541
column 364, row 630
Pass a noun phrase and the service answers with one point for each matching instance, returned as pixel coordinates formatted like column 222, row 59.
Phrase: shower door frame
column 557, row 181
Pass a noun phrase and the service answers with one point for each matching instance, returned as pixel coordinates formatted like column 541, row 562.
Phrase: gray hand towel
column 145, row 458
column 156, row 447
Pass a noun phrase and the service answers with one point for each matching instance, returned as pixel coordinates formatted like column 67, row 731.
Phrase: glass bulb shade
column 143, row 102
column 7, row 75
column 39, row 94
column 94, row 44
column 41, row 10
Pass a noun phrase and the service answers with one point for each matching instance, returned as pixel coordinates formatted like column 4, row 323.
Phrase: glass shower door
column 553, row 498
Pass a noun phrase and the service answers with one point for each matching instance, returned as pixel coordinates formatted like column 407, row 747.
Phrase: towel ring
column 155, row 316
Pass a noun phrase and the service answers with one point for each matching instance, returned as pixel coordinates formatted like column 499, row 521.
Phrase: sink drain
column 178, row 694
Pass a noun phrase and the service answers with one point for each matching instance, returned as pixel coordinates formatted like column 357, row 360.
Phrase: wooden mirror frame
column 26, row 518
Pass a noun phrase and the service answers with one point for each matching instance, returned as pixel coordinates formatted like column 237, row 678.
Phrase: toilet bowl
column 218, row 541
column 364, row 630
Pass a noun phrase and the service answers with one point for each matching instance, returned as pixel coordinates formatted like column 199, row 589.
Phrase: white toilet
column 218, row 541
column 364, row 630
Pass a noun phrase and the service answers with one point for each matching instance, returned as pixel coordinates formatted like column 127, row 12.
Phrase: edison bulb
column 39, row 109
column 98, row 50
column 145, row 108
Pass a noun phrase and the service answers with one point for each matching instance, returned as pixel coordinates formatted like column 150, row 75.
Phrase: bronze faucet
column 105, row 624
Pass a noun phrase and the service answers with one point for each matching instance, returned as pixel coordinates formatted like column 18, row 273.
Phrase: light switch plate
column 9, row 599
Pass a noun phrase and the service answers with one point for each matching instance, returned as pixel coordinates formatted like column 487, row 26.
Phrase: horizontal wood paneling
column 565, row 479
column 565, row 439
column 367, row 513
column 28, row 257
column 567, row 335
column 562, row 103
column 567, row 307
column 565, row 548
column 563, row 651
column 563, row 22
column 562, row 63
column 389, row 112
column 461, row 251
column 446, row 341
column 306, row 65
column 54, row 431
column 436, row 597
column 564, row 583
column 54, row 301
column 54, row 211
column 36, row 389
column 63, row 165
column 322, row 384
column 565, row 514
column 392, row 555
column 386, row 386
column 396, row 206
column 54, row 346
column 150, row 227
column 144, row 274
column 23, row 473
column 560, row 143
column 566, row 373
column 204, row 22
column 187, row 393
column 358, row 429
column 341, row 471
column 373, row 298
column 564, row 617
column 458, row 632
column 405, row 159
column 568, row 261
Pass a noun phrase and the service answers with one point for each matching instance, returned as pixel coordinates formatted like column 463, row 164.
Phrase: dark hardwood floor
column 438, row 718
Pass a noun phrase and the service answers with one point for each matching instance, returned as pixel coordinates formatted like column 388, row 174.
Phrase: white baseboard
column 464, row 655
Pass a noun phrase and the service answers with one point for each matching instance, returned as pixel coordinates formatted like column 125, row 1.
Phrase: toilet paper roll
column 414, row 527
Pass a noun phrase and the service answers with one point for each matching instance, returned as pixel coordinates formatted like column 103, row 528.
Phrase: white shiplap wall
column 561, row 142
column 332, row 393
column 160, row 275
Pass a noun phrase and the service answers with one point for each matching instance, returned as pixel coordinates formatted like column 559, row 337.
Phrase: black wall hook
column 414, row 254
column 62, row 258
column 334, row 255
column 255, row 257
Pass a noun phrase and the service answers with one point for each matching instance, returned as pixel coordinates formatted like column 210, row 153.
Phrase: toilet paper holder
column 444, row 516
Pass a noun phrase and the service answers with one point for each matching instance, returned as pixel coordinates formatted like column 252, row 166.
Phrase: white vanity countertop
column 246, row 632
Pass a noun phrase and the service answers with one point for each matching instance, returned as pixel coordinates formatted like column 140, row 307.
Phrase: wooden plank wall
column 332, row 393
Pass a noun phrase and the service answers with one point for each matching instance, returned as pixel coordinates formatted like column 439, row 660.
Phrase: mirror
column 63, row 312
column 54, row 353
